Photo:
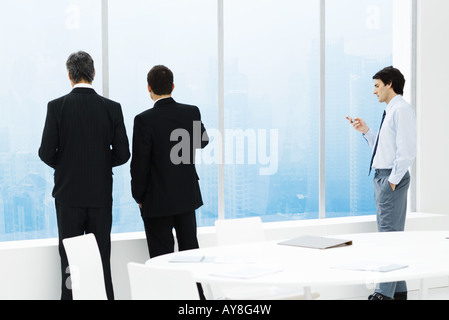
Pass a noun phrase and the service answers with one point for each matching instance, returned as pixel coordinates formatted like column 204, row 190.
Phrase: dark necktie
column 377, row 143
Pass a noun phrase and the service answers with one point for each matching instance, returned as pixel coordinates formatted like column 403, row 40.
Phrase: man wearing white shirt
column 394, row 151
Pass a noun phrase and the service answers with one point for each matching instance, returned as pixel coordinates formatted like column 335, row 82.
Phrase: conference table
column 371, row 259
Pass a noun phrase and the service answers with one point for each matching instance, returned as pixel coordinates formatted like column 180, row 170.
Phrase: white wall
column 433, row 106
column 402, row 42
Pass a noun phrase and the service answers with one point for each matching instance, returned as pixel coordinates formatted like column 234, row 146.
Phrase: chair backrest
column 234, row 231
column 157, row 283
column 86, row 268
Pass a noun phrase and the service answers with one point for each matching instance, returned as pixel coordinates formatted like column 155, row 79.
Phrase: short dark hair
column 81, row 67
column 392, row 76
column 160, row 79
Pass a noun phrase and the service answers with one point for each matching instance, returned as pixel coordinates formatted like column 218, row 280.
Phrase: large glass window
column 271, row 103
column 271, row 108
column 359, row 43
column 183, row 36
column 37, row 37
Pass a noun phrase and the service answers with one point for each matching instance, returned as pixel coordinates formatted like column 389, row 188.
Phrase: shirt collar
column 83, row 85
column 393, row 102
column 161, row 99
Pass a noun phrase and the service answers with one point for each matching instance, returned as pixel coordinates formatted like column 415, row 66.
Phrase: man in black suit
column 84, row 138
column 164, row 179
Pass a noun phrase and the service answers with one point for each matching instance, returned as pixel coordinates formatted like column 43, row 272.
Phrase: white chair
column 235, row 231
column 246, row 230
column 86, row 268
column 154, row 283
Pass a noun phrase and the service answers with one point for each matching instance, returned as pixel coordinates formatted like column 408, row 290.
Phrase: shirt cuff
column 394, row 179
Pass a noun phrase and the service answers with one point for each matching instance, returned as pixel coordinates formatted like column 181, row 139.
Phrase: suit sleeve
column 120, row 143
column 140, row 162
column 48, row 151
column 204, row 135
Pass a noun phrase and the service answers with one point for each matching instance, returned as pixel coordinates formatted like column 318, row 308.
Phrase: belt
column 383, row 171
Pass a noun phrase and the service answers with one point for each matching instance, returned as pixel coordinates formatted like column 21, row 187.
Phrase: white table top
column 426, row 255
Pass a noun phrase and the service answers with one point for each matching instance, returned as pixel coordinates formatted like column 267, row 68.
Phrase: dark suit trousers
column 160, row 240
column 159, row 233
column 73, row 222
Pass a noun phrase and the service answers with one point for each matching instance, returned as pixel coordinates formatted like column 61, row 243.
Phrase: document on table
column 316, row 242
column 187, row 259
column 207, row 259
column 247, row 273
column 373, row 266
column 233, row 260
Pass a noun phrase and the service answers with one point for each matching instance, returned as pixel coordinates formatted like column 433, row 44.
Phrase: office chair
column 235, row 231
column 86, row 268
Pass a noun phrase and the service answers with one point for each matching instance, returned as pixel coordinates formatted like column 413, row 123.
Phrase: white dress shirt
column 397, row 141
column 83, row 85
column 161, row 99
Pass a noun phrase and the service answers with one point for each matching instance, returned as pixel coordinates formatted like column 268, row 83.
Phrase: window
column 257, row 77
column 37, row 39
column 271, row 90
column 359, row 43
column 140, row 37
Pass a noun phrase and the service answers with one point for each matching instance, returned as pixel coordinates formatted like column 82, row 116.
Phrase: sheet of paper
column 373, row 266
column 187, row 259
column 233, row 260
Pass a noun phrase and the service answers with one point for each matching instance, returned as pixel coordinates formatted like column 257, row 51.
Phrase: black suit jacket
column 164, row 178
column 84, row 137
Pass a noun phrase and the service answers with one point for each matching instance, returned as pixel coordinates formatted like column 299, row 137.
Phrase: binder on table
column 314, row 242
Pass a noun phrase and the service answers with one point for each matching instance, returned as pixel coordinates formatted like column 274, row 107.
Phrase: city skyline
column 288, row 105
column 27, row 205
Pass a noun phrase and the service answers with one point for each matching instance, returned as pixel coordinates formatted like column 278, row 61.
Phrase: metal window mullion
column 221, row 175
column 322, row 116
column 105, row 45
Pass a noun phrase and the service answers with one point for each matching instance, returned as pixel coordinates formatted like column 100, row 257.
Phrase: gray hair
column 81, row 67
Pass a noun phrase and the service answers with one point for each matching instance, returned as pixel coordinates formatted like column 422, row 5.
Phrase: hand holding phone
column 358, row 124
